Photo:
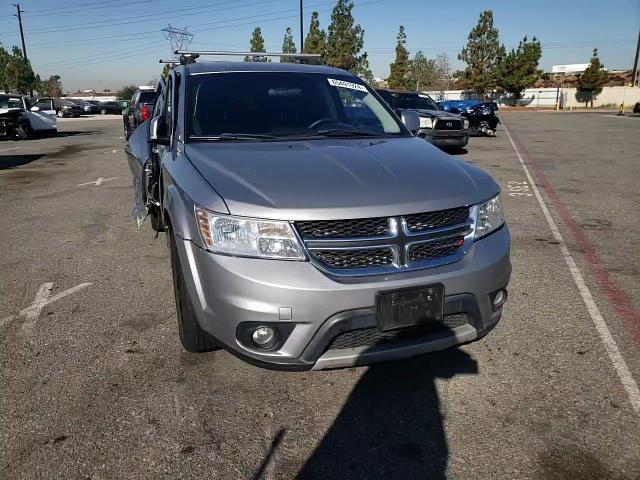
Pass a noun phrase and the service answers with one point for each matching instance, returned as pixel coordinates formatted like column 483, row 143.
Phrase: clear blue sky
column 109, row 43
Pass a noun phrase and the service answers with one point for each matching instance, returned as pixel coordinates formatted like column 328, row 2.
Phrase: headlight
column 465, row 123
column 489, row 217
column 248, row 237
column 426, row 122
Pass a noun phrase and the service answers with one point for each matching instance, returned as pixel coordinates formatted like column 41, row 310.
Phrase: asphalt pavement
column 94, row 383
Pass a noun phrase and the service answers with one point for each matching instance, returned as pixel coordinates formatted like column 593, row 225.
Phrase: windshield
column 147, row 96
column 284, row 104
column 414, row 101
column 7, row 101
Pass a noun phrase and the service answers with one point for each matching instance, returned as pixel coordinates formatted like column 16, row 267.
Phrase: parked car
column 138, row 110
column 636, row 108
column 18, row 121
column 110, row 108
column 304, row 237
column 436, row 126
column 87, row 106
column 481, row 115
column 61, row 107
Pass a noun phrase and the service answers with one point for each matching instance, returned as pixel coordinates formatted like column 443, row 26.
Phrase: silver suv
column 308, row 228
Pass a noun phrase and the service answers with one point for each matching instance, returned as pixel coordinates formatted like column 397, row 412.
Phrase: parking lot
column 96, row 385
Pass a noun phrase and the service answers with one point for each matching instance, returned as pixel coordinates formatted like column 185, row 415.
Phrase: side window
column 168, row 106
column 44, row 104
column 158, row 108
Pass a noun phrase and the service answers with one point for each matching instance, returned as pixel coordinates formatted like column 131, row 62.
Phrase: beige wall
column 546, row 97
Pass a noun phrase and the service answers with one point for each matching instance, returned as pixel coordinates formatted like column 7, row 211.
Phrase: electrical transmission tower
column 178, row 37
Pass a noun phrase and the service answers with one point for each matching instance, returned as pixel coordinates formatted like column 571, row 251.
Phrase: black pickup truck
column 438, row 127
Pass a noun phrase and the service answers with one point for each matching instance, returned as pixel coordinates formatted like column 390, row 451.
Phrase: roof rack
column 166, row 60
column 191, row 56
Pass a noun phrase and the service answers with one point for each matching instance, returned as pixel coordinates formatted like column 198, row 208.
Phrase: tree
column 444, row 77
column 482, row 55
column 316, row 41
column 165, row 71
column 257, row 45
column 422, row 72
column 363, row 70
column 51, row 87
column 126, row 92
column 17, row 75
column 345, row 40
column 399, row 69
column 5, row 57
column 288, row 45
column 519, row 68
column 592, row 80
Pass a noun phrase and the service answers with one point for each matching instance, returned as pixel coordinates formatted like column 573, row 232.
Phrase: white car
column 30, row 123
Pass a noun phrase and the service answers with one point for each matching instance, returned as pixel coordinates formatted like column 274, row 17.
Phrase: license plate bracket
column 409, row 307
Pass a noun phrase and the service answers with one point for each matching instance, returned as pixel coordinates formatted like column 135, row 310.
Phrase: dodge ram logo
column 449, row 124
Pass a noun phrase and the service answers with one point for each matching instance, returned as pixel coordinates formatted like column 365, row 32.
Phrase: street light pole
column 634, row 78
column 24, row 47
column 301, row 28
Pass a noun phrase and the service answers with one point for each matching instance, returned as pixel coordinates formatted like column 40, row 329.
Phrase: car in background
column 61, row 107
column 438, row 127
column 139, row 109
column 636, row 108
column 113, row 108
column 481, row 115
column 87, row 106
column 18, row 121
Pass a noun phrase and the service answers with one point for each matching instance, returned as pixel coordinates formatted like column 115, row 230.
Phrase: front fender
column 183, row 189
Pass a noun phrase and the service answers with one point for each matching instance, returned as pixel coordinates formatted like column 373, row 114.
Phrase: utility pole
column 24, row 47
column 301, row 28
column 634, row 73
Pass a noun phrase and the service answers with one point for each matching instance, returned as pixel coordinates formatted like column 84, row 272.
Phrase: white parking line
column 9, row 149
column 41, row 300
column 610, row 345
column 98, row 181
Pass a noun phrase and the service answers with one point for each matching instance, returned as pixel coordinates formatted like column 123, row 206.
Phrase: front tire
column 60, row 113
column 103, row 111
column 192, row 337
column 25, row 132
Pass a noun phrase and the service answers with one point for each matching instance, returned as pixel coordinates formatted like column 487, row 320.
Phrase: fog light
column 264, row 337
column 499, row 298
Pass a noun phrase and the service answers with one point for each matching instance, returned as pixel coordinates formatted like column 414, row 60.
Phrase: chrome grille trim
column 400, row 239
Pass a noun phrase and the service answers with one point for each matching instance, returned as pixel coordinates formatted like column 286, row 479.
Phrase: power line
column 169, row 14
column 147, row 33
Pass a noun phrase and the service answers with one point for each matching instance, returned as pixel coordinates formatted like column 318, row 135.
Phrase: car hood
column 436, row 114
column 335, row 178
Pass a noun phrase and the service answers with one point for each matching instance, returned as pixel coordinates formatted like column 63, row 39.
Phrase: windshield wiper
column 233, row 136
column 340, row 132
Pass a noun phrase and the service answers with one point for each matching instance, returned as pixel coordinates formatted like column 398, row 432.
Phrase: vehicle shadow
column 12, row 161
column 391, row 426
column 73, row 133
column 456, row 151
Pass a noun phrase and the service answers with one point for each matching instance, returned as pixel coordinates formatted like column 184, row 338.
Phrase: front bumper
column 445, row 138
column 228, row 292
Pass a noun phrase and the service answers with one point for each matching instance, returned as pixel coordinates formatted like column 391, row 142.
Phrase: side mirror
column 35, row 109
column 411, row 120
column 158, row 131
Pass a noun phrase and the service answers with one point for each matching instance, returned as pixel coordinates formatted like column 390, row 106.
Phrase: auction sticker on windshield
column 343, row 84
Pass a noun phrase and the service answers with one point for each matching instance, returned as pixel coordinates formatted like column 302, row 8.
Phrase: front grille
column 443, row 218
column 381, row 245
column 436, row 249
column 361, row 227
column 350, row 259
column 444, row 124
column 369, row 337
